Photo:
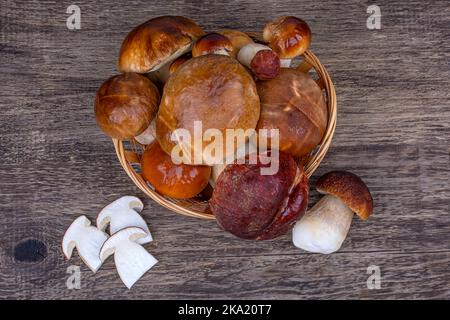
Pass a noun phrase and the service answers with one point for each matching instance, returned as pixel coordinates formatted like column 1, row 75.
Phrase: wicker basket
column 129, row 152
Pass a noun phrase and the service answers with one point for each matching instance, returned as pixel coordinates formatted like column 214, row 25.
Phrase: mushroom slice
column 131, row 259
column 87, row 239
column 121, row 214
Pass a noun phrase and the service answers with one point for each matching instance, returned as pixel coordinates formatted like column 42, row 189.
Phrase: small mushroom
column 238, row 40
column 324, row 228
column 130, row 258
column 87, row 239
column 121, row 214
column 264, row 63
column 212, row 43
column 288, row 36
column 152, row 46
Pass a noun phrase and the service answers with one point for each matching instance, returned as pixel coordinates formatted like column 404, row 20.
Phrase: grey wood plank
column 393, row 130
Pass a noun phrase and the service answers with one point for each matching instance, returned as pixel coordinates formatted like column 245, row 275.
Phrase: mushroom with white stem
column 264, row 63
column 288, row 36
column 124, row 213
column 238, row 40
column 87, row 239
column 152, row 46
column 130, row 258
column 212, row 43
column 324, row 228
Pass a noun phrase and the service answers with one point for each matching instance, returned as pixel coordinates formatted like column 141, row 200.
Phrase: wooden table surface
column 393, row 130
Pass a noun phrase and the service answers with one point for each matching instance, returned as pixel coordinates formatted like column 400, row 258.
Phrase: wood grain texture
column 393, row 130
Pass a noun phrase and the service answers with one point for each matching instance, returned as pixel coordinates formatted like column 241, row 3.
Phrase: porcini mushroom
column 153, row 45
column 238, row 40
column 293, row 103
column 201, row 89
column 87, row 239
column 125, row 105
column 288, row 36
column 212, row 43
column 121, row 214
column 130, row 258
column 264, row 63
column 255, row 206
column 241, row 152
column 324, row 228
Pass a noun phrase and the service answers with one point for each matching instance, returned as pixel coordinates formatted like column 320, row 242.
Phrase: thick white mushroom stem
column 285, row 63
column 148, row 136
column 263, row 62
column 324, row 228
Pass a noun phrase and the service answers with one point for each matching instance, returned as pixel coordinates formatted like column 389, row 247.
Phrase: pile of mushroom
column 174, row 76
column 127, row 233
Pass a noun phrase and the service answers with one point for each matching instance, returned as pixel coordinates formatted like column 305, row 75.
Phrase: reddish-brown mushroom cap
column 350, row 189
column 288, row 36
column 156, row 42
column 125, row 105
column 238, row 39
column 211, row 43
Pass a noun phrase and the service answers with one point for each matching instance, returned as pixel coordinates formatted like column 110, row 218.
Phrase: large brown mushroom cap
column 255, row 206
column 125, row 105
column 238, row 40
column 293, row 103
column 350, row 189
column 214, row 89
column 287, row 36
column 156, row 42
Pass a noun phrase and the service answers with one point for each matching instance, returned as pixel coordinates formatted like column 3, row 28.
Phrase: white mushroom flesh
column 324, row 228
column 131, row 259
column 123, row 213
column 87, row 239
column 248, row 52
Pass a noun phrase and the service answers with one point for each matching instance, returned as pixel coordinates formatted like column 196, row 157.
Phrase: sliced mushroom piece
column 87, row 239
column 130, row 258
column 324, row 228
column 123, row 213
column 264, row 63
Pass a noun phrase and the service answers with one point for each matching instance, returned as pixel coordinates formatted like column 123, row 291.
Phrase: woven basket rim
column 324, row 81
